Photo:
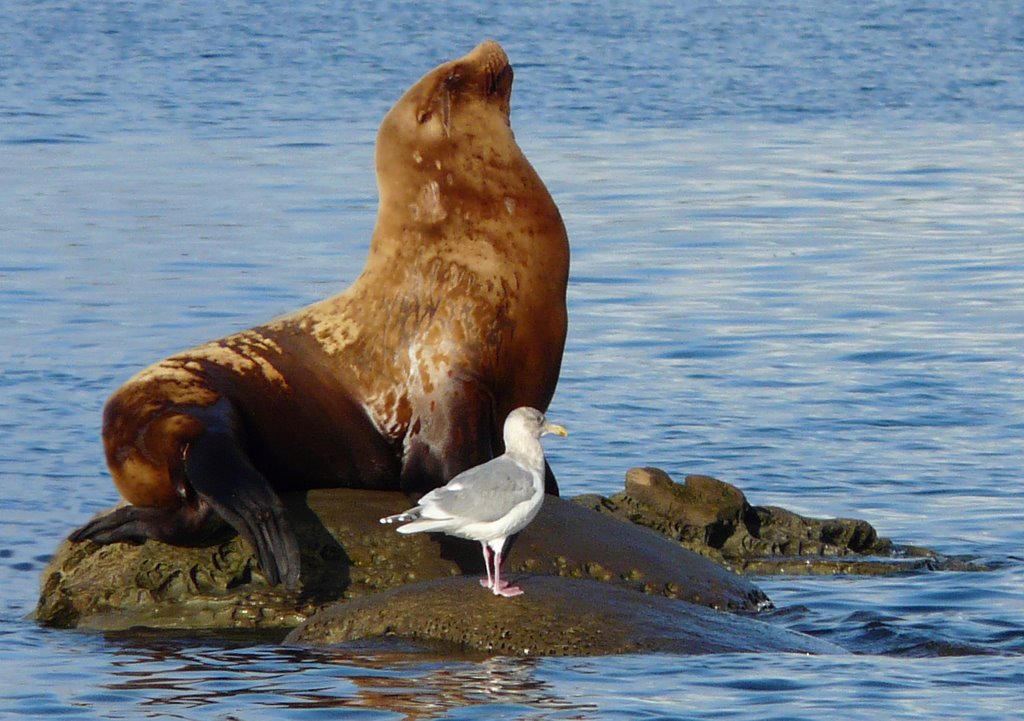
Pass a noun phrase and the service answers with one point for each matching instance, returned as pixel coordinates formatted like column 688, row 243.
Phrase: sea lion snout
column 488, row 65
column 489, row 56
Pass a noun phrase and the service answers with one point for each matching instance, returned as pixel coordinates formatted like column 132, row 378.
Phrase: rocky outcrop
column 612, row 581
column 553, row 617
column 347, row 554
column 713, row 518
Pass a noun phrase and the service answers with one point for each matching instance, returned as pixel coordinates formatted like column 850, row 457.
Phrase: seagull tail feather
column 404, row 517
column 426, row 524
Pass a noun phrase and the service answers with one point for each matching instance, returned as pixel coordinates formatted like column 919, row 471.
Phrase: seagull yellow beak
column 556, row 429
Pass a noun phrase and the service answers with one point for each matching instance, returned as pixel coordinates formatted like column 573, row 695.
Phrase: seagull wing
column 481, row 494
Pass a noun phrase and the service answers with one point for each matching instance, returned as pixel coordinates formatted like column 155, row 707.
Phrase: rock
column 346, row 554
column 713, row 518
column 554, row 617
column 568, row 540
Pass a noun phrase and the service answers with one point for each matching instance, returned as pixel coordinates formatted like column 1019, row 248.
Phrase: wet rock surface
column 640, row 571
column 346, row 554
column 554, row 617
column 714, row 518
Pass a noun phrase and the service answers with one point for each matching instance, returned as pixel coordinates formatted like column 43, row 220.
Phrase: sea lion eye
column 453, row 81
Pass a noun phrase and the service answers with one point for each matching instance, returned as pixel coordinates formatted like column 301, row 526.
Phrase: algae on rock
column 713, row 518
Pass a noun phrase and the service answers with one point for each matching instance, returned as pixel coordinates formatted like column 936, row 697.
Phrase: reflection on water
column 174, row 677
column 496, row 683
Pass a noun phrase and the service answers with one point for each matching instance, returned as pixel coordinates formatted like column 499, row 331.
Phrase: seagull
column 492, row 501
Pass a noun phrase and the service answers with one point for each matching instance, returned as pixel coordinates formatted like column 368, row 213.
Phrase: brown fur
column 404, row 379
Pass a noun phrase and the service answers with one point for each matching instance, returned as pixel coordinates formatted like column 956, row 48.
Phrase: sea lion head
column 448, row 133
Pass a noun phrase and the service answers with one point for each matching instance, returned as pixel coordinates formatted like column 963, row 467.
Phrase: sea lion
column 401, row 381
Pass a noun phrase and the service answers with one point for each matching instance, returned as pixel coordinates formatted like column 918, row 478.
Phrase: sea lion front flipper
column 222, row 476
column 550, row 482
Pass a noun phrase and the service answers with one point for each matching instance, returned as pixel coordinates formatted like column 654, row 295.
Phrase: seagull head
column 529, row 422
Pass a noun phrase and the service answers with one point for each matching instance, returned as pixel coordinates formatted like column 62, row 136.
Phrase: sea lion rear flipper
column 136, row 524
column 222, row 476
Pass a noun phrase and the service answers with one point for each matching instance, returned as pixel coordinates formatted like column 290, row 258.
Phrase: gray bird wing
column 483, row 493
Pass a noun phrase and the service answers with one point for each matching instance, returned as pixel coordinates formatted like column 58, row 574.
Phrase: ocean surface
column 798, row 265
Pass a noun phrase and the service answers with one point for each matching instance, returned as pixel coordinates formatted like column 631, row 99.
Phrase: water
column 798, row 244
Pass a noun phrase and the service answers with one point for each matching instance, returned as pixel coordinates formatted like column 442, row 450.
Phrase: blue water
column 798, row 254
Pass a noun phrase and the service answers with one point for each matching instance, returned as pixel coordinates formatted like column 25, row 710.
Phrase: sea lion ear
column 452, row 83
column 446, row 109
